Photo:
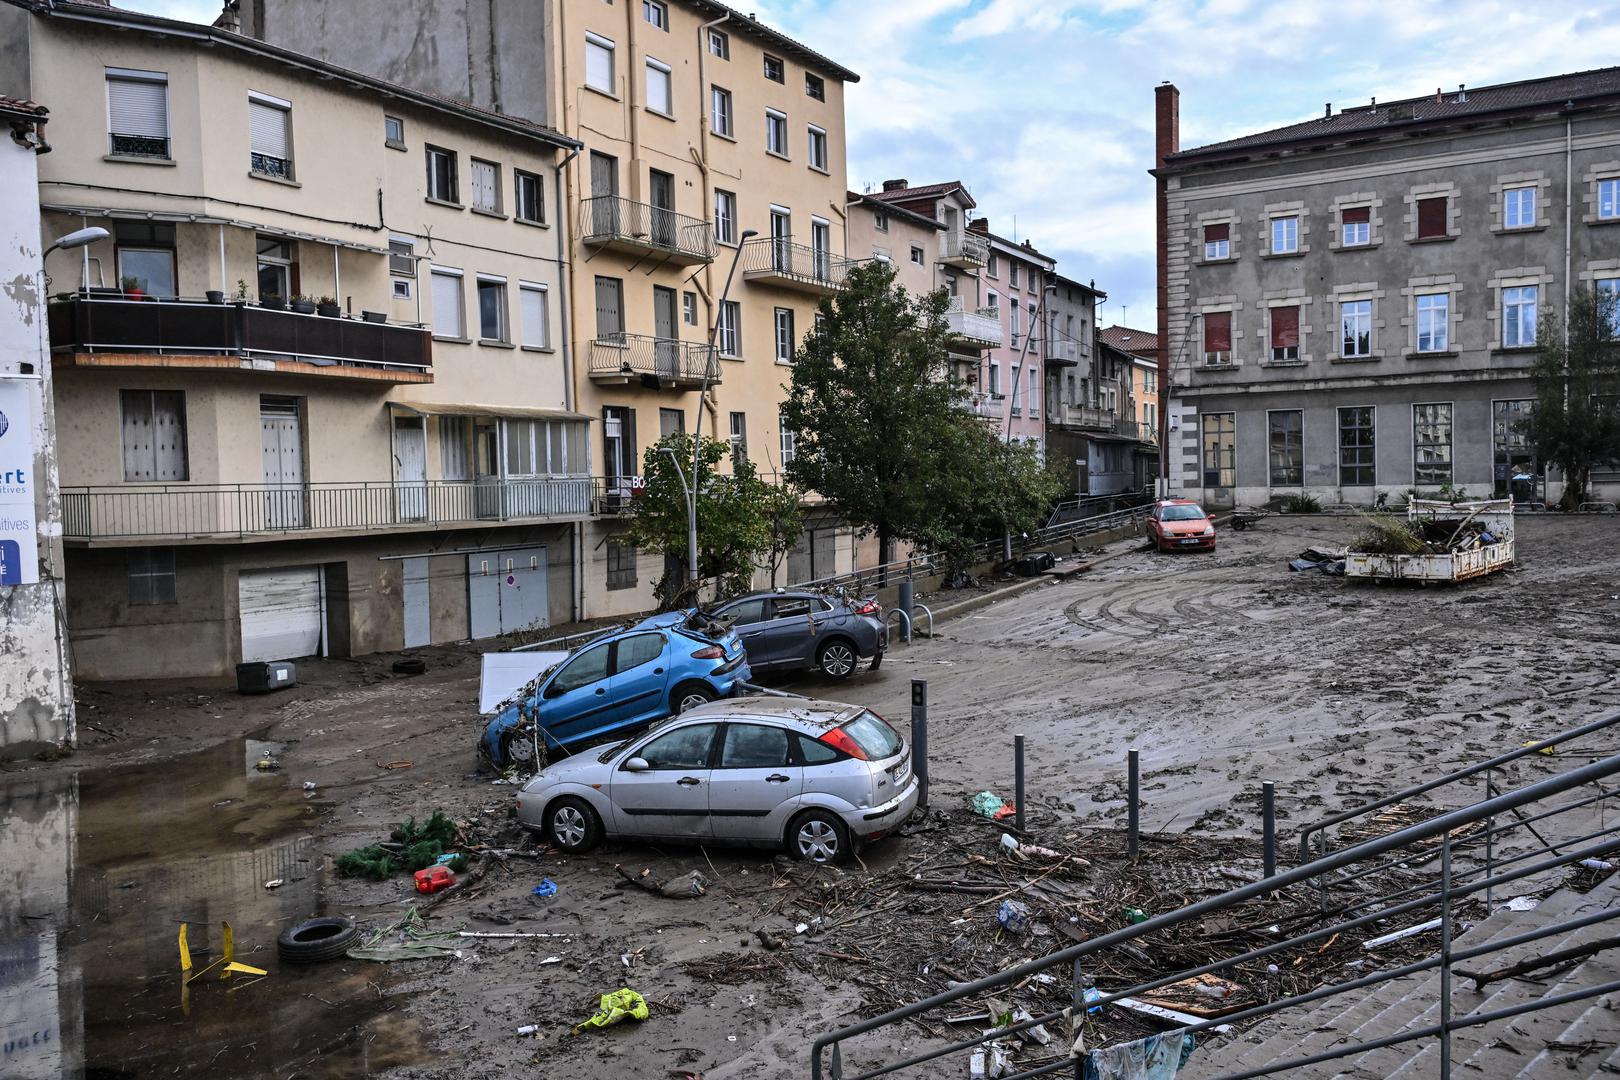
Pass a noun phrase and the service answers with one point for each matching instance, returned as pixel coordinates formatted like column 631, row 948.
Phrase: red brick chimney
column 895, row 185
column 979, row 225
column 1166, row 141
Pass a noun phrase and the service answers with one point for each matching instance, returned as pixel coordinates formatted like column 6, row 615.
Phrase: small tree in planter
column 132, row 287
column 328, row 306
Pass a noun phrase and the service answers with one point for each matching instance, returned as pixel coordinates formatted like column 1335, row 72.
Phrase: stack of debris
column 1326, row 559
column 1421, row 536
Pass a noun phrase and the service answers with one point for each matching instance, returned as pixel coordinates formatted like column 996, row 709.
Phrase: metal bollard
column 919, row 738
column 1268, row 826
column 1018, row 782
column 907, row 599
column 1133, row 792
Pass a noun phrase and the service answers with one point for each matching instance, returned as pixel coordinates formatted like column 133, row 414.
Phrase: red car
column 1180, row 523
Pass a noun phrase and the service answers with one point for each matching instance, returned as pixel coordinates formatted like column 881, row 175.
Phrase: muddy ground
column 1225, row 670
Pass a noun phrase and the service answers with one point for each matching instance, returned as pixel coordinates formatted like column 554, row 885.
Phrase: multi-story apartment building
column 1016, row 289
column 1352, row 304
column 248, row 473
column 1143, row 347
column 712, row 142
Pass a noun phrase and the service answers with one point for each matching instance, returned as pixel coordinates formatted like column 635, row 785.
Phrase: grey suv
column 791, row 630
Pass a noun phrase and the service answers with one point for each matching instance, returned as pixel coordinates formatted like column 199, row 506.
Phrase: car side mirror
column 636, row 764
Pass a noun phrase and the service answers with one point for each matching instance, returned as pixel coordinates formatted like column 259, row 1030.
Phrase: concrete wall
column 867, row 241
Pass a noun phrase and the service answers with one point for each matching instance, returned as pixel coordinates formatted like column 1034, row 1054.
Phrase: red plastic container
column 434, row 879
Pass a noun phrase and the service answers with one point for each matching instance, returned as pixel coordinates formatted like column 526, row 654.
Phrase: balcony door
column 610, row 310
column 781, row 240
column 281, row 439
column 821, row 245
column 410, row 467
column 668, row 349
column 661, row 193
column 604, row 194
column 619, row 463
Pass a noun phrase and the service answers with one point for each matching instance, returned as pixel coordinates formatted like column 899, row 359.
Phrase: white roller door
column 282, row 613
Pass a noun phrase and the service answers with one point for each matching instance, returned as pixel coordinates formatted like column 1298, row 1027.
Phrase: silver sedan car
column 814, row 777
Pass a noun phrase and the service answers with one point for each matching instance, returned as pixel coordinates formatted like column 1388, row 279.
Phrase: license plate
column 1194, row 540
column 902, row 771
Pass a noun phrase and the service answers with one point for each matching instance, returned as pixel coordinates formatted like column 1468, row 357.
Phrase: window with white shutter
column 448, row 318
column 138, row 113
column 599, row 64
column 270, row 136
column 486, row 186
column 536, row 319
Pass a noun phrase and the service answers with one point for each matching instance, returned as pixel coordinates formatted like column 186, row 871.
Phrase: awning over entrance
column 510, row 412
column 182, row 217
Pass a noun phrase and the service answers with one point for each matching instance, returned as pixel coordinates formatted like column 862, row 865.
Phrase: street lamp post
column 691, row 489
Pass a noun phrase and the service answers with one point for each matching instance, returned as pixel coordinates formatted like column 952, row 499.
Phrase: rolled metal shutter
column 138, row 107
column 267, row 129
column 281, row 612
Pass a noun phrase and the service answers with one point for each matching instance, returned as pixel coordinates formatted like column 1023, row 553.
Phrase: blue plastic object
column 547, row 887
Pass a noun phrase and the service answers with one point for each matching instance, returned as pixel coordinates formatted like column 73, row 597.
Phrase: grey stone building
column 1351, row 305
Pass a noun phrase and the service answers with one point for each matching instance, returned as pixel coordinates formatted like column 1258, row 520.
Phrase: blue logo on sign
column 4, row 423
column 10, row 563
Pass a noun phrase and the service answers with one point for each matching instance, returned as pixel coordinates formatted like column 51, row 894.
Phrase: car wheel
column 314, row 940
column 820, row 837
column 690, row 696
column 517, row 749
column 573, row 825
column 836, row 659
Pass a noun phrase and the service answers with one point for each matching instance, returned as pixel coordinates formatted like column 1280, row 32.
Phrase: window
column 402, row 256
column 739, row 438
column 670, row 422
column 818, row 148
column 754, row 746
column 773, row 69
column 1608, row 199
column 1355, row 328
column 992, row 303
column 1217, row 337
column 276, row 265
column 1220, row 449
column 720, row 111
column 137, row 113
column 610, row 309
column 270, row 136
column 725, row 217
column 659, row 93
column 1519, row 208
column 730, row 328
column 719, row 44
column 529, row 192
column 684, row 748
column 1032, row 393
column 1431, row 218
column 1012, row 318
column 621, row 565
column 402, row 289
column 689, row 308
column 1218, row 241
column 1519, row 316
column 1356, row 467
column 815, row 86
column 788, row 439
column 784, row 335
column 1431, row 443
column 1514, row 458
column 447, row 313
column 441, row 175
column 917, row 254
column 151, row 576
column 145, row 252
column 992, row 265
column 492, row 309
column 1356, row 222
column 588, row 667
column 154, row 428
column 995, row 379
column 632, row 652
column 455, row 447
column 1433, row 322
column 486, row 186
column 1284, row 338
column 599, row 74
column 812, row 752
column 1012, row 274
column 394, row 132
column 656, row 13
column 536, row 315
column 880, row 221
column 1287, row 447
column 1284, row 235
column 776, row 137
column 1608, row 292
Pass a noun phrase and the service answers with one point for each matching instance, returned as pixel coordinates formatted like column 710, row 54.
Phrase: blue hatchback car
column 665, row 664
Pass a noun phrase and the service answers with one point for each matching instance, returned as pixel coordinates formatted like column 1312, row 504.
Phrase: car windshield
column 1181, row 513
column 873, row 735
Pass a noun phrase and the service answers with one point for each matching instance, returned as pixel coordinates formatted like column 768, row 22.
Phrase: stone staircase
column 1577, row 1039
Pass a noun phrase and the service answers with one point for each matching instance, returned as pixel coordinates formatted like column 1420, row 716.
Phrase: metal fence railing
column 676, row 362
column 607, row 218
column 779, row 258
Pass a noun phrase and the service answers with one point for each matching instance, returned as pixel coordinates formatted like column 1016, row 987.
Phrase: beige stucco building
column 407, row 465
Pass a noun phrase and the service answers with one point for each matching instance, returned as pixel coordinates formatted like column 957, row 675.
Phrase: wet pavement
column 99, row 869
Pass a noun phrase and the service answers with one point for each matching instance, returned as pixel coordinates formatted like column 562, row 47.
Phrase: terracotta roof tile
column 12, row 106
column 1125, row 339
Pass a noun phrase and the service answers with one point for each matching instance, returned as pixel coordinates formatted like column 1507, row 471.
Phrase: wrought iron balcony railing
column 778, row 260
column 964, row 249
column 615, row 222
column 663, row 362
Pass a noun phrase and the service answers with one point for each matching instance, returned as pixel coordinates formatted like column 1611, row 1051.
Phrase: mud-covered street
column 1225, row 670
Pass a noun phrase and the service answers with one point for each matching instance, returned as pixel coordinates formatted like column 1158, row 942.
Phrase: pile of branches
column 1385, row 535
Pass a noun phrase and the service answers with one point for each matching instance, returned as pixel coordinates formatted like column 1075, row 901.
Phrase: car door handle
column 689, row 781
column 658, row 671
column 753, row 633
column 776, row 778
column 601, row 689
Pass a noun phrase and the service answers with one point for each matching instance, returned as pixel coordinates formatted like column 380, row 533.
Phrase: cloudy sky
column 1045, row 107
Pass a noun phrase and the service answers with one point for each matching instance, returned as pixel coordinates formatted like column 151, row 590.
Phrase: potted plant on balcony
column 215, row 296
column 239, row 297
column 302, row 304
column 132, row 288
column 272, row 302
column 328, row 306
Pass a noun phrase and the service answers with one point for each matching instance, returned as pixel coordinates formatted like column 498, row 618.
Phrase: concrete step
column 1583, row 1045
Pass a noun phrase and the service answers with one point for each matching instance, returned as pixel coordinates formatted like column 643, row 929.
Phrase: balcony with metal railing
column 634, row 228
column 106, row 327
column 1060, row 352
column 654, row 362
column 963, row 249
column 974, row 328
column 777, row 260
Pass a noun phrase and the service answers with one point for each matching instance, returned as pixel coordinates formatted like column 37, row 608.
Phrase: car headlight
column 1209, row 530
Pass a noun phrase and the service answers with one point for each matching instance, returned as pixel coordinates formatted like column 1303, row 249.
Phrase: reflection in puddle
column 97, row 872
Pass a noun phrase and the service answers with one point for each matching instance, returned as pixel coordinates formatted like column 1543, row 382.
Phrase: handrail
column 1441, row 825
column 613, row 217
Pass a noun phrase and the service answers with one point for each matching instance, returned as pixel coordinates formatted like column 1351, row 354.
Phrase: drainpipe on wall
column 704, row 119
column 564, row 269
column 1569, row 163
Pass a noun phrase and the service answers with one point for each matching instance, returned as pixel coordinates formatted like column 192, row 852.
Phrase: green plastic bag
column 619, row 1005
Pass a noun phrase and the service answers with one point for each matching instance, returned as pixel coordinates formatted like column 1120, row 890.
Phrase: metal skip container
column 1474, row 557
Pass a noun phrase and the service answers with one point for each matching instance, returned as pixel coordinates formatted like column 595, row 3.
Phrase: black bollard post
column 1018, row 782
column 919, row 738
column 1133, row 786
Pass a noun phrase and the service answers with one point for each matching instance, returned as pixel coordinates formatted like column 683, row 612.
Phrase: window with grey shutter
column 270, row 136
column 609, row 309
column 154, row 430
column 486, row 186
column 138, row 112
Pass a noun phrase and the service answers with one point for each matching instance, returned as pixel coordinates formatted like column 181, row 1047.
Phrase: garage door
column 506, row 591
column 282, row 612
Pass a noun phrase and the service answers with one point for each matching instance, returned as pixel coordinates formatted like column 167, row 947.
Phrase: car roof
column 1178, row 502
column 808, row 712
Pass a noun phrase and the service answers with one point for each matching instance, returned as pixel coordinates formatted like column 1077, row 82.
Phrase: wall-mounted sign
column 19, row 543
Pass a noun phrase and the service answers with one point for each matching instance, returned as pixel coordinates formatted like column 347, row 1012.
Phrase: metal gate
column 282, row 613
column 506, row 591
column 418, row 623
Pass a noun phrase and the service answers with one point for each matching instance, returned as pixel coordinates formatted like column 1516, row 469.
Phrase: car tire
column 837, row 658
column 573, row 825
column 819, row 836
column 689, row 696
column 315, row 940
column 517, row 749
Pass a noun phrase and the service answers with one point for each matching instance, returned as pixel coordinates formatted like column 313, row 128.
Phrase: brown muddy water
column 98, row 869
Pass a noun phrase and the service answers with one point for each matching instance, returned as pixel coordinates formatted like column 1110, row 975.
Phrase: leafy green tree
column 734, row 524
column 783, row 506
column 1576, row 422
column 997, row 488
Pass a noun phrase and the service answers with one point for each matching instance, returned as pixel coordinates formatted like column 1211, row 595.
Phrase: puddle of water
column 97, row 872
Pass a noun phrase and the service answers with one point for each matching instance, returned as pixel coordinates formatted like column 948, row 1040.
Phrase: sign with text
column 19, row 544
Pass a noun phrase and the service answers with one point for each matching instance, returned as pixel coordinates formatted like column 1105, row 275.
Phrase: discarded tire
column 315, row 940
column 410, row 665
